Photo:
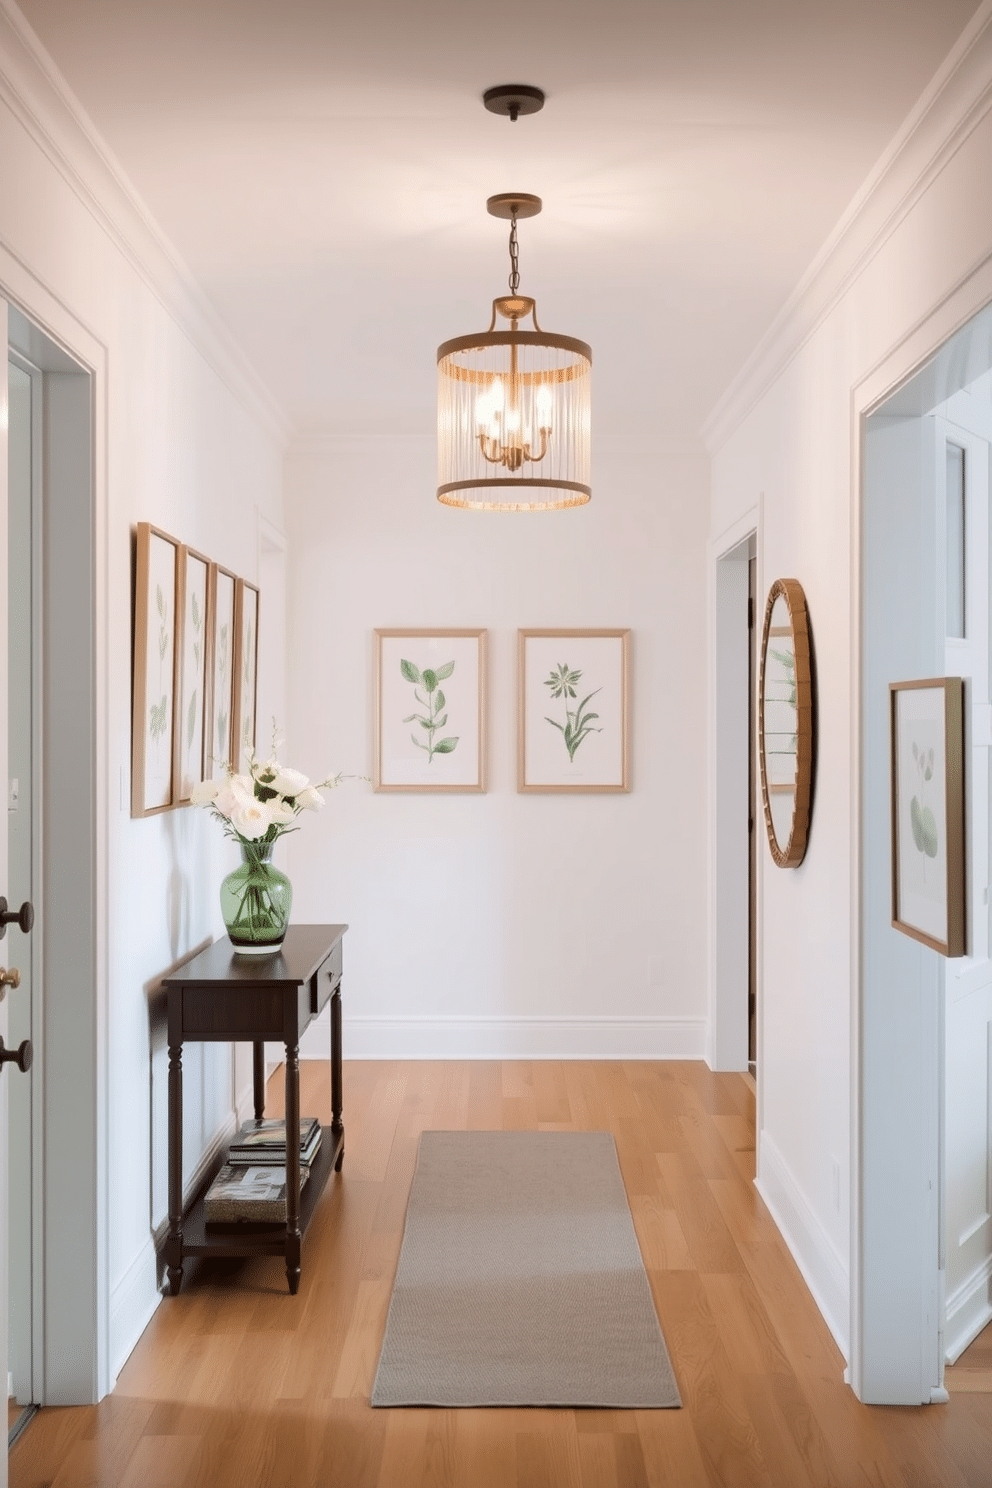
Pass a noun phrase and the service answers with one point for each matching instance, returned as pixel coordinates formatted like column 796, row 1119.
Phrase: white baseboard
column 523, row 1038
column 132, row 1304
column 969, row 1310
column 810, row 1246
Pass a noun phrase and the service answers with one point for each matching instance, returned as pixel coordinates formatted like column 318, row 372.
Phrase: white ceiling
column 322, row 167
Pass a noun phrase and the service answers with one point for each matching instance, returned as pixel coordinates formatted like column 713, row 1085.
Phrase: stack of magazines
column 251, row 1185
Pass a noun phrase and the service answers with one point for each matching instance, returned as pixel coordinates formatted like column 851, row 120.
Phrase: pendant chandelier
column 513, row 406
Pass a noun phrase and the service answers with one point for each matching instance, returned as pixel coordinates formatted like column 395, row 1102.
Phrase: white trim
column 523, row 1038
column 41, row 100
column 957, row 99
column 969, row 1310
column 132, row 1306
column 820, row 1262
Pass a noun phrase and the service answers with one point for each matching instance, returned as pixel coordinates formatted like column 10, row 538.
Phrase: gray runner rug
column 520, row 1281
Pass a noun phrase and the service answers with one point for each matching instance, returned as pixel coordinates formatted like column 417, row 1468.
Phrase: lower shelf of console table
column 261, row 1237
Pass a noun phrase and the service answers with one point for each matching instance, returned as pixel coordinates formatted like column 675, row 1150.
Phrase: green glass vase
column 255, row 901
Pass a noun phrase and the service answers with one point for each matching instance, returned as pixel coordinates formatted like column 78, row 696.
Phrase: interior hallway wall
column 786, row 433
column 504, row 924
column 185, row 442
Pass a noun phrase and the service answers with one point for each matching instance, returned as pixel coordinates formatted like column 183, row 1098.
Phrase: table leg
column 293, row 1237
column 258, row 1078
column 337, row 1125
column 174, row 1243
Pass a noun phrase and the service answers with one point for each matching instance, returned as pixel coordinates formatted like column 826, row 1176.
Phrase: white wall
column 903, row 266
column 182, row 441
column 504, row 924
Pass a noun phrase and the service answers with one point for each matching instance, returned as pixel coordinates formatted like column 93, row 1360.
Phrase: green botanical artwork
column 248, row 731
column 434, row 718
column 578, row 722
column 224, row 691
column 196, row 617
column 921, row 817
column 158, row 712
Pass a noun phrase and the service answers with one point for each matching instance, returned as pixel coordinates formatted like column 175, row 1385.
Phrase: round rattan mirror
column 785, row 722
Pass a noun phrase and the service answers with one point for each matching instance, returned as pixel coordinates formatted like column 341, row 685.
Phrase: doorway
column 58, row 1342
column 925, row 561
column 24, row 1302
column 735, row 959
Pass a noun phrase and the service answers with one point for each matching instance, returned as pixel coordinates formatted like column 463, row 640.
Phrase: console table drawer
column 324, row 980
column 232, row 1012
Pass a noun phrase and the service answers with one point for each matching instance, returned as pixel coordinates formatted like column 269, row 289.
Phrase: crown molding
column 954, row 103
column 39, row 97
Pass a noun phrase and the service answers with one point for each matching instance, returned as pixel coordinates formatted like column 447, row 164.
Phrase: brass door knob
column 11, row 978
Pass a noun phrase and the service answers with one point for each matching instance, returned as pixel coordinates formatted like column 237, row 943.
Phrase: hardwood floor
column 235, row 1384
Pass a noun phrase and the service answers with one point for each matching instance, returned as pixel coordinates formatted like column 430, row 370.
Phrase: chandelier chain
column 514, row 280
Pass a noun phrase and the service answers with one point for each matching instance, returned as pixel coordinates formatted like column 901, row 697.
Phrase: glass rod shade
column 513, row 418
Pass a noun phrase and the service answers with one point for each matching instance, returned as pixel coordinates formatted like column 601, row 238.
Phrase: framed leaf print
column 155, row 579
column 192, row 611
column 928, row 832
column 430, row 695
column 245, row 673
column 220, row 710
column 573, row 717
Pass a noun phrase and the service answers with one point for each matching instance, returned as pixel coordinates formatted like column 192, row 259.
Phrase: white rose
column 204, row 792
column 281, row 811
column 288, row 782
column 225, row 800
column 252, row 819
column 310, row 799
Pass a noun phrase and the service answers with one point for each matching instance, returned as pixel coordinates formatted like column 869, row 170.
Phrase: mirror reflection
column 781, row 721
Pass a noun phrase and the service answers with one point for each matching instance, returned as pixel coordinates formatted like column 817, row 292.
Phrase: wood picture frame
column 220, row 673
column 154, row 670
column 430, row 710
column 928, row 824
column 245, row 699
column 192, row 631
column 582, row 749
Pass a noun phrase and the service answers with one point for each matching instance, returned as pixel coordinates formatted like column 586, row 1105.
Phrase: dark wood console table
column 221, row 997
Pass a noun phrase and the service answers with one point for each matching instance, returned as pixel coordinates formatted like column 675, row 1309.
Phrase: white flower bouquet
column 255, row 810
column 262, row 805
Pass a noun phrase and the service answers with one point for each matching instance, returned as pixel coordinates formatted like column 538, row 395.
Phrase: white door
column 963, row 490
column 4, row 410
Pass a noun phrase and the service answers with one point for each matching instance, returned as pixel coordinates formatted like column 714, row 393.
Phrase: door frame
column 17, row 945
column 897, row 1300
column 729, row 719
column 75, row 1353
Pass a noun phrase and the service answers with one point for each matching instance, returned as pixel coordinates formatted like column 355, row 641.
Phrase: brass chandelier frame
column 514, row 308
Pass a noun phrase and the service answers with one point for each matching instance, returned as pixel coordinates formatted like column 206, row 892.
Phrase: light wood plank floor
column 235, row 1383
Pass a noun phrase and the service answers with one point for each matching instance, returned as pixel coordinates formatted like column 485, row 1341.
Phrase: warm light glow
column 544, row 406
column 513, row 417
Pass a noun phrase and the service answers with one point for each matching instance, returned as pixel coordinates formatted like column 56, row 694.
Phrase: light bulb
column 545, row 403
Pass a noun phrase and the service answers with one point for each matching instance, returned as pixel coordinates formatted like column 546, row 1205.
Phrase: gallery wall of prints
column 195, row 671
column 573, row 704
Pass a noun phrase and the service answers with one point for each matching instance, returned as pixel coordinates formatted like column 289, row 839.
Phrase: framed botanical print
column 220, row 676
column 245, row 673
column 430, row 699
column 573, row 729
column 928, row 831
column 155, row 582
column 192, row 612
